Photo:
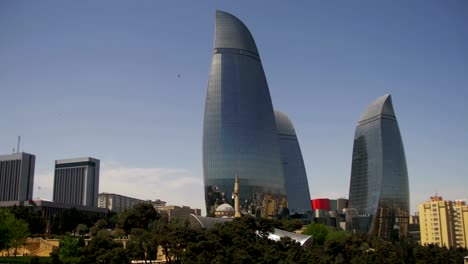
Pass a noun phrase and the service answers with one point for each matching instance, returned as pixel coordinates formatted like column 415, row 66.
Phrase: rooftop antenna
column 17, row 148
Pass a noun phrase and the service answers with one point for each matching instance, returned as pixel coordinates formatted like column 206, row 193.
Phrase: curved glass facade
column 379, row 188
column 239, row 134
column 297, row 187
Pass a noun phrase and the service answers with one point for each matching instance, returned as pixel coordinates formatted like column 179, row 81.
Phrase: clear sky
column 101, row 79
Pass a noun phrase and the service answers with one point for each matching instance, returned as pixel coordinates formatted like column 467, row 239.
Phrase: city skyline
column 137, row 76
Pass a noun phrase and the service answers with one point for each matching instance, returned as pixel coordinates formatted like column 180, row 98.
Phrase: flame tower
column 379, row 188
column 239, row 133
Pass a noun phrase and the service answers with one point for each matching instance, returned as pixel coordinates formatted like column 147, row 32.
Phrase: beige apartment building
column 444, row 223
column 460, row 219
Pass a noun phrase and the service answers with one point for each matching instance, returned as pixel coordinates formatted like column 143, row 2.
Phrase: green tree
column 6, row 221
column 13, row 232
column 102, row 249
column 101, row 224
column 68, row 220
column 19, row 233
column 142, row 245
column 336, row 235
column 81, row 229
column 140, row 216
column 69, row 248
column 318, row 232
column 290, row 225
column 32, row 216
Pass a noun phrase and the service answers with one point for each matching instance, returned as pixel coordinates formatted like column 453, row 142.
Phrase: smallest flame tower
column 237, row 213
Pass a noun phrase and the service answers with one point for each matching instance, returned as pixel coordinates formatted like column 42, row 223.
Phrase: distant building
column 157, row 203
column 414, row 219
column 173, row 212
column 16, row 176
column 379, row 188
column 460, row 219
column 76, row 181
column 118, row 203
column 329, row 211
column 414, row 233
column 444, row 223
column 297, row 186
column 338, row 204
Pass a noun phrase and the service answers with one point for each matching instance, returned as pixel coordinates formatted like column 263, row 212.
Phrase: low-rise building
column 117, row 203
column 173, row 212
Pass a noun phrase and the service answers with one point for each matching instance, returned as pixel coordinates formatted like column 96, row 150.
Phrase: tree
column 101, row 224
column 6, row 221
column 289, row 224
column 140, row 216
column 102, row 249
column 82, row 229
column 68, row 221
column 19, row 233
column 69, row 248
column 13, row 232
column 32, row 216
column 318, row 232
column 142, row 245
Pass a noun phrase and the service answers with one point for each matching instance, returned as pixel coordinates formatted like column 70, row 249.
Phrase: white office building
column 76, row 181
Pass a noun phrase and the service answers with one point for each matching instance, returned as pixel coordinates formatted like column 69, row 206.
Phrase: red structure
column 321, row 204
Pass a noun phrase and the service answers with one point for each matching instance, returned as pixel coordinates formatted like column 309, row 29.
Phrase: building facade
column 16, row 177
column 239, row 134
column 338, row 204
column 180, row 213
column 117, row 203
column 443, row 223
column 379, row 189
column 460, row 222
column 297, row 186
column 76, row 181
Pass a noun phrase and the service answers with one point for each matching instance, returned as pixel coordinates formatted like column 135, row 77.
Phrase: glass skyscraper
column 379, row 189
column 239, row 134
column 297, row 187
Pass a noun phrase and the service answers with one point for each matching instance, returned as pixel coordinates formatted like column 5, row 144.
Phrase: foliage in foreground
column 243, row 240
column 28, row 260
column 239, row 242
column 13, row 231
column 322, row 233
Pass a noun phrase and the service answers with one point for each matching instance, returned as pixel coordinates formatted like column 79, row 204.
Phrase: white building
column 16, row 176
column 76, row 181
column 117, row 203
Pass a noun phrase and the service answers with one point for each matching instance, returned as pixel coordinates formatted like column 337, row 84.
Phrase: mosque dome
column 225, row 207
column 225, row 211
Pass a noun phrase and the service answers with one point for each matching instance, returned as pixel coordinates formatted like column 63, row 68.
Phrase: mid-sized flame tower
column 239, row 134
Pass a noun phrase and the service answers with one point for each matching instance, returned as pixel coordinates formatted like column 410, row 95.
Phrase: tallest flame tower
column 239, row 133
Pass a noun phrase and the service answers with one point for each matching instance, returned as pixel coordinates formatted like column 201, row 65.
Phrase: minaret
column 236, row 198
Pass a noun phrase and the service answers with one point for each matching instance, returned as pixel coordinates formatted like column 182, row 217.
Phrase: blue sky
column 100, row 79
